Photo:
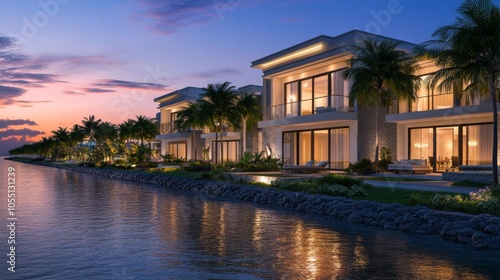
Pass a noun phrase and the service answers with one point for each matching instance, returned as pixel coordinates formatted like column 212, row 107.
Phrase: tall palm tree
column 380, row 73
column 190, row 117
column 126, row 130
column 89, row 128
column 76, row 136
column 145, row 129
column 250, row 110
column 106, row 135
column 468, row 53
column 61, row 138
column 218, row 106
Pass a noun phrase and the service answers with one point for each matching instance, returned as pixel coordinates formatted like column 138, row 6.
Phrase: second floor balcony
column 311, row 106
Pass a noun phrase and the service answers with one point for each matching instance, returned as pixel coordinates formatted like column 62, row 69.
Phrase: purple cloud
column 98, row 90
column 110, row 83
column 24, row 132
column 209, row 74
column 70, row 92
column 6, row 123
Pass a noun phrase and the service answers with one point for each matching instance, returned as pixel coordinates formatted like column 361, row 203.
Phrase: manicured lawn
column 469, row 184
column 394, row 195
column 394, row 179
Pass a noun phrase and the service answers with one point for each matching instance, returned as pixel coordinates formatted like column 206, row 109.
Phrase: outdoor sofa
column 416, row 166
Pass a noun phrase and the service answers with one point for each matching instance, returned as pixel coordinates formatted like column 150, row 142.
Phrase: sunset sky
column 63, row 60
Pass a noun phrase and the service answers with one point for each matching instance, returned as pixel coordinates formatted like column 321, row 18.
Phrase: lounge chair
column 309, row 167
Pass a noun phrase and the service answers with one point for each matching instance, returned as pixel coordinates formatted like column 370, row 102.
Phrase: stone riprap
column 482, row 231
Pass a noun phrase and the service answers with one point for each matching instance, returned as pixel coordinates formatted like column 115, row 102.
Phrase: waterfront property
column 307, row 115
column 194, row 144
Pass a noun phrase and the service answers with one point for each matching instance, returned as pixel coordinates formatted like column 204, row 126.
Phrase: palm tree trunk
column 494, row 160
column 244, row 137
column 221, row 148
column 375, row 161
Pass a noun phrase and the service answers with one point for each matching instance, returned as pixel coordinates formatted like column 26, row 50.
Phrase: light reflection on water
column 81, row 226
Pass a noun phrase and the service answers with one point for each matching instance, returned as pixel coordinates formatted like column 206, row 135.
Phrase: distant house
column 307, row 115
column 190, row 144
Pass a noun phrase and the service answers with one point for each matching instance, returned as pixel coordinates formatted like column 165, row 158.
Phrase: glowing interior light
column 472, row 143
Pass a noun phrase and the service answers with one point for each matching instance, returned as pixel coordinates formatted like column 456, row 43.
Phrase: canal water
column 70, row 225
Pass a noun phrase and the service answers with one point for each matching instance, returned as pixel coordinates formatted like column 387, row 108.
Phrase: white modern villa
column 307, row 114
column 191, row 143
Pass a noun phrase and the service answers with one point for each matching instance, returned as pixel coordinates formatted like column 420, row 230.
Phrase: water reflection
column 90, row 225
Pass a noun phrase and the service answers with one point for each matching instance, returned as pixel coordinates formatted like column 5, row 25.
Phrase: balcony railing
column 311, row 106
column 166, row 128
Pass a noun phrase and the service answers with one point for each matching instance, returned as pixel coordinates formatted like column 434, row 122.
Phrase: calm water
column 79, row 226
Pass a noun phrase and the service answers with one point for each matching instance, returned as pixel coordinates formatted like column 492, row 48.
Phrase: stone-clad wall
column 366, row 132
column 481, row 231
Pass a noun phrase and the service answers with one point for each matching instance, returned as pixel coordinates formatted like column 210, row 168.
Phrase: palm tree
column 380, row 73
column 89, row 128
column 76, row 136
column 468, row 53
column 126, row 130
column 106, row 135
column 250, row 110
column 190, row 117
column 218, row 107
column 145, row 129
column 61, row 138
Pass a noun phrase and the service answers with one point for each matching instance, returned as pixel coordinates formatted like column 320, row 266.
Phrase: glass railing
column 311, row 106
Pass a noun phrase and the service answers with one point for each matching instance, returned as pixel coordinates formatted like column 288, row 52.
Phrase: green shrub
column 363, row 167
column 322, row 186
column 258, row 162
column 342, row 180
column 385, row 159
column 197, row 166
column 479, row 202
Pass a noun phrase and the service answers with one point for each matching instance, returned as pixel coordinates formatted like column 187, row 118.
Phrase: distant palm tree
column 76, row 136
column 468, row 53
column 380, row 73
column 90, row 126
column 62, row 142
column 106, row 135
column 126, row 130
column 145, row 129
column 218, row 107
column 250, row 110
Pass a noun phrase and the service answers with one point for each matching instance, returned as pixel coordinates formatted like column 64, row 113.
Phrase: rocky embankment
column 482, row 231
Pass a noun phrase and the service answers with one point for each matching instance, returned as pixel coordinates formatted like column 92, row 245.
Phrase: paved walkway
column 434, row 185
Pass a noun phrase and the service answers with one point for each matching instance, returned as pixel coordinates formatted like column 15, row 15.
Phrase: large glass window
column 321, row 91
column 290, row 148
column 446, row 147
column 427, row 99
column 478, row 144
column 305, row 148
column 319, row 145
column 422, row 144
column 178, row 149
column 231, row 149
column 340, row 90
column 173, row 118
column 454, row 145
column 292, row 99
column 305, row 96
column 339, row 148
